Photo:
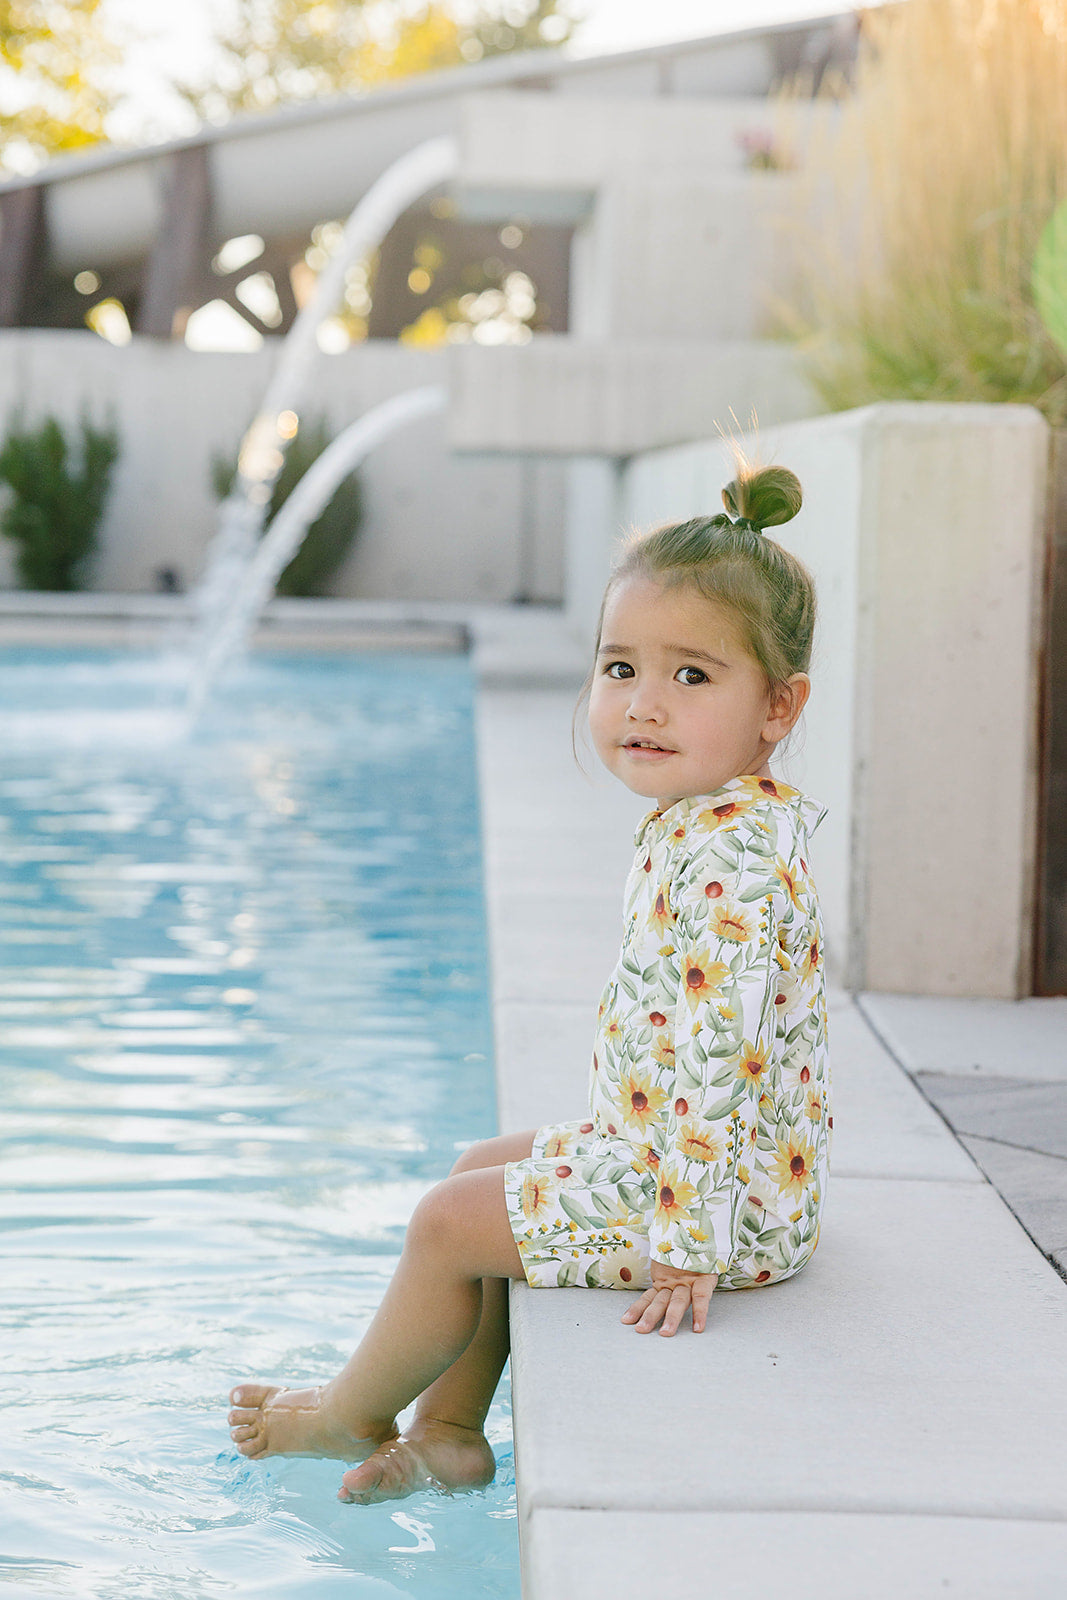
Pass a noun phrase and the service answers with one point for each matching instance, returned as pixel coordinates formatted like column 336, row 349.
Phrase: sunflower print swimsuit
column 708, row 1134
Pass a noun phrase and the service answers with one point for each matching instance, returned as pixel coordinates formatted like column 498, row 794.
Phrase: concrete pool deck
column 894, row 1420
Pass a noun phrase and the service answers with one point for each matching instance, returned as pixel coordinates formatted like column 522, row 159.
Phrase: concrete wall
column 923, row 526
column 437, row 525
column 675, row 237
column 570, row 396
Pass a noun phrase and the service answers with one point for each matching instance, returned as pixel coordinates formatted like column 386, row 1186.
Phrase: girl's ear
column 786, row 703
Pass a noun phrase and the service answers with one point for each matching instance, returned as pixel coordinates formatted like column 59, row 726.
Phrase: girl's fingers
column 648, row 1310
column 702, row 1293
column 675, row 1310
column 632, row 1312
column 668, row 1305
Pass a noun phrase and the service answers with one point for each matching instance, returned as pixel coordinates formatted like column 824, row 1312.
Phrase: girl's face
column 678, row 705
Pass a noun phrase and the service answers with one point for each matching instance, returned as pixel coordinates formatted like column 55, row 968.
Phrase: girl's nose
column 645, row 704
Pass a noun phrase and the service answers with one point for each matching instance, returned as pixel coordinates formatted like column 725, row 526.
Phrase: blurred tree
column 279, row 51
column 54, row 93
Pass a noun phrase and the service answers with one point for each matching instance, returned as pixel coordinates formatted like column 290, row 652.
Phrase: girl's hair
column 728, row 560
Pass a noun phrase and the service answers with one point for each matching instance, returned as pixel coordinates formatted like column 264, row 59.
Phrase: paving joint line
column 914, row 1077
column 1033, row 1149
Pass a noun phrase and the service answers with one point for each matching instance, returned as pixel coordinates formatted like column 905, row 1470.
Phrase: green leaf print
column 568, row 1275
column 633, row 1197
column 688, row 1080
column 575, row 1212
column 758, row 891
column 722, row 1108
column 760, row 845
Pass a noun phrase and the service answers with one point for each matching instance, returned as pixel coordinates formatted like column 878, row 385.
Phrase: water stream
column 232, row 592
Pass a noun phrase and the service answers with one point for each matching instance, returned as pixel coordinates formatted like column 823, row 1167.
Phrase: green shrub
column 55, row 507
column 330, row 537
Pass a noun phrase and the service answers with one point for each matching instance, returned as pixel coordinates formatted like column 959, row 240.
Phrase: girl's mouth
column 647, row 747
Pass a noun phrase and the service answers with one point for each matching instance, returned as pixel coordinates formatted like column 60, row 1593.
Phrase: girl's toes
column 252, row 1395
column 242, row 1416
column 361, row 1483
column 239, row 1435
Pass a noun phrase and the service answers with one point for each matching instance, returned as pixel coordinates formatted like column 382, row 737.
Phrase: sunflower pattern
column 707, row 1140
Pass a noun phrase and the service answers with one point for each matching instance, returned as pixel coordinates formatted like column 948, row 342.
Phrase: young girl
column 702, row 1162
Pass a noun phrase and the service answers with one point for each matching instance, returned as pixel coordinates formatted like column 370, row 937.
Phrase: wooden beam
column 22, row 252
column 177, row 262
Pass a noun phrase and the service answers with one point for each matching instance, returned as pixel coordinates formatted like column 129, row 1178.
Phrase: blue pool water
column 243, row 997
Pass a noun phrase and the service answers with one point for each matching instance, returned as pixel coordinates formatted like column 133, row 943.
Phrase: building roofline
column 519, row 67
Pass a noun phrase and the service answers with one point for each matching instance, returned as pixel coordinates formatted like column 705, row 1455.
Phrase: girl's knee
column 476, row 1156
column 438, row 1218
column 495, row 1152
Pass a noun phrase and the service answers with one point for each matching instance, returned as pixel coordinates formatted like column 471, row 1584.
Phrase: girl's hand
column 671, row 1292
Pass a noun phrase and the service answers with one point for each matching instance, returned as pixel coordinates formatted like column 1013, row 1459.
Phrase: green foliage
column 329, row 539
column 1049, row 278
column 56, row 504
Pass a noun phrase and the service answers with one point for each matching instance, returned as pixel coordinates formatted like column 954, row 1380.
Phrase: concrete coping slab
column 582, row 1555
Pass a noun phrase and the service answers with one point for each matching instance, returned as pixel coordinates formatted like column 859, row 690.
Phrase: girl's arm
column 729, row 903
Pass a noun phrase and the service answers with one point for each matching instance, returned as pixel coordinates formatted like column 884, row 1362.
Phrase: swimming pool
column 243, row 990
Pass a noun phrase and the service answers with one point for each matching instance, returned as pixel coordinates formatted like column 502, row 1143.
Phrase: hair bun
column 764, row 496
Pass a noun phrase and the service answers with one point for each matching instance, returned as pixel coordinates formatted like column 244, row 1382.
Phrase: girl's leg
column 431, row 1313
column 445, row 1440
column 464, row 1392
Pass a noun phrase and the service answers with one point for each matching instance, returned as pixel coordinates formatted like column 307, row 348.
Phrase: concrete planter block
column 924, row 527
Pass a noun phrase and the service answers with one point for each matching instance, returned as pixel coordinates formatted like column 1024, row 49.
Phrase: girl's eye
column 691, row 675
column 619, row 669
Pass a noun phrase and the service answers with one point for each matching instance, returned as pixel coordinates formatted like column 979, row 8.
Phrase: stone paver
column 997, row 1072
column 883, row 1127
column 1034, row 1186
column 1031, row 1115
column 991, row 1038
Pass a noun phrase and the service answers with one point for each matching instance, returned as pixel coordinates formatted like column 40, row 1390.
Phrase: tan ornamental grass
column 926, row 193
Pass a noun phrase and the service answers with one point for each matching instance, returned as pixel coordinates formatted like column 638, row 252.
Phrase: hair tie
column 724, row 520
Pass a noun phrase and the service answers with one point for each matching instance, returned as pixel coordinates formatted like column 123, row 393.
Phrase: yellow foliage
column 55, row 56
column 428, row 331
column 423, row 43
column 278, row 51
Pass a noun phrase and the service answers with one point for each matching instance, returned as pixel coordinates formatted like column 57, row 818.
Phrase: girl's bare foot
column 269, row 1421
column 430, row 1454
